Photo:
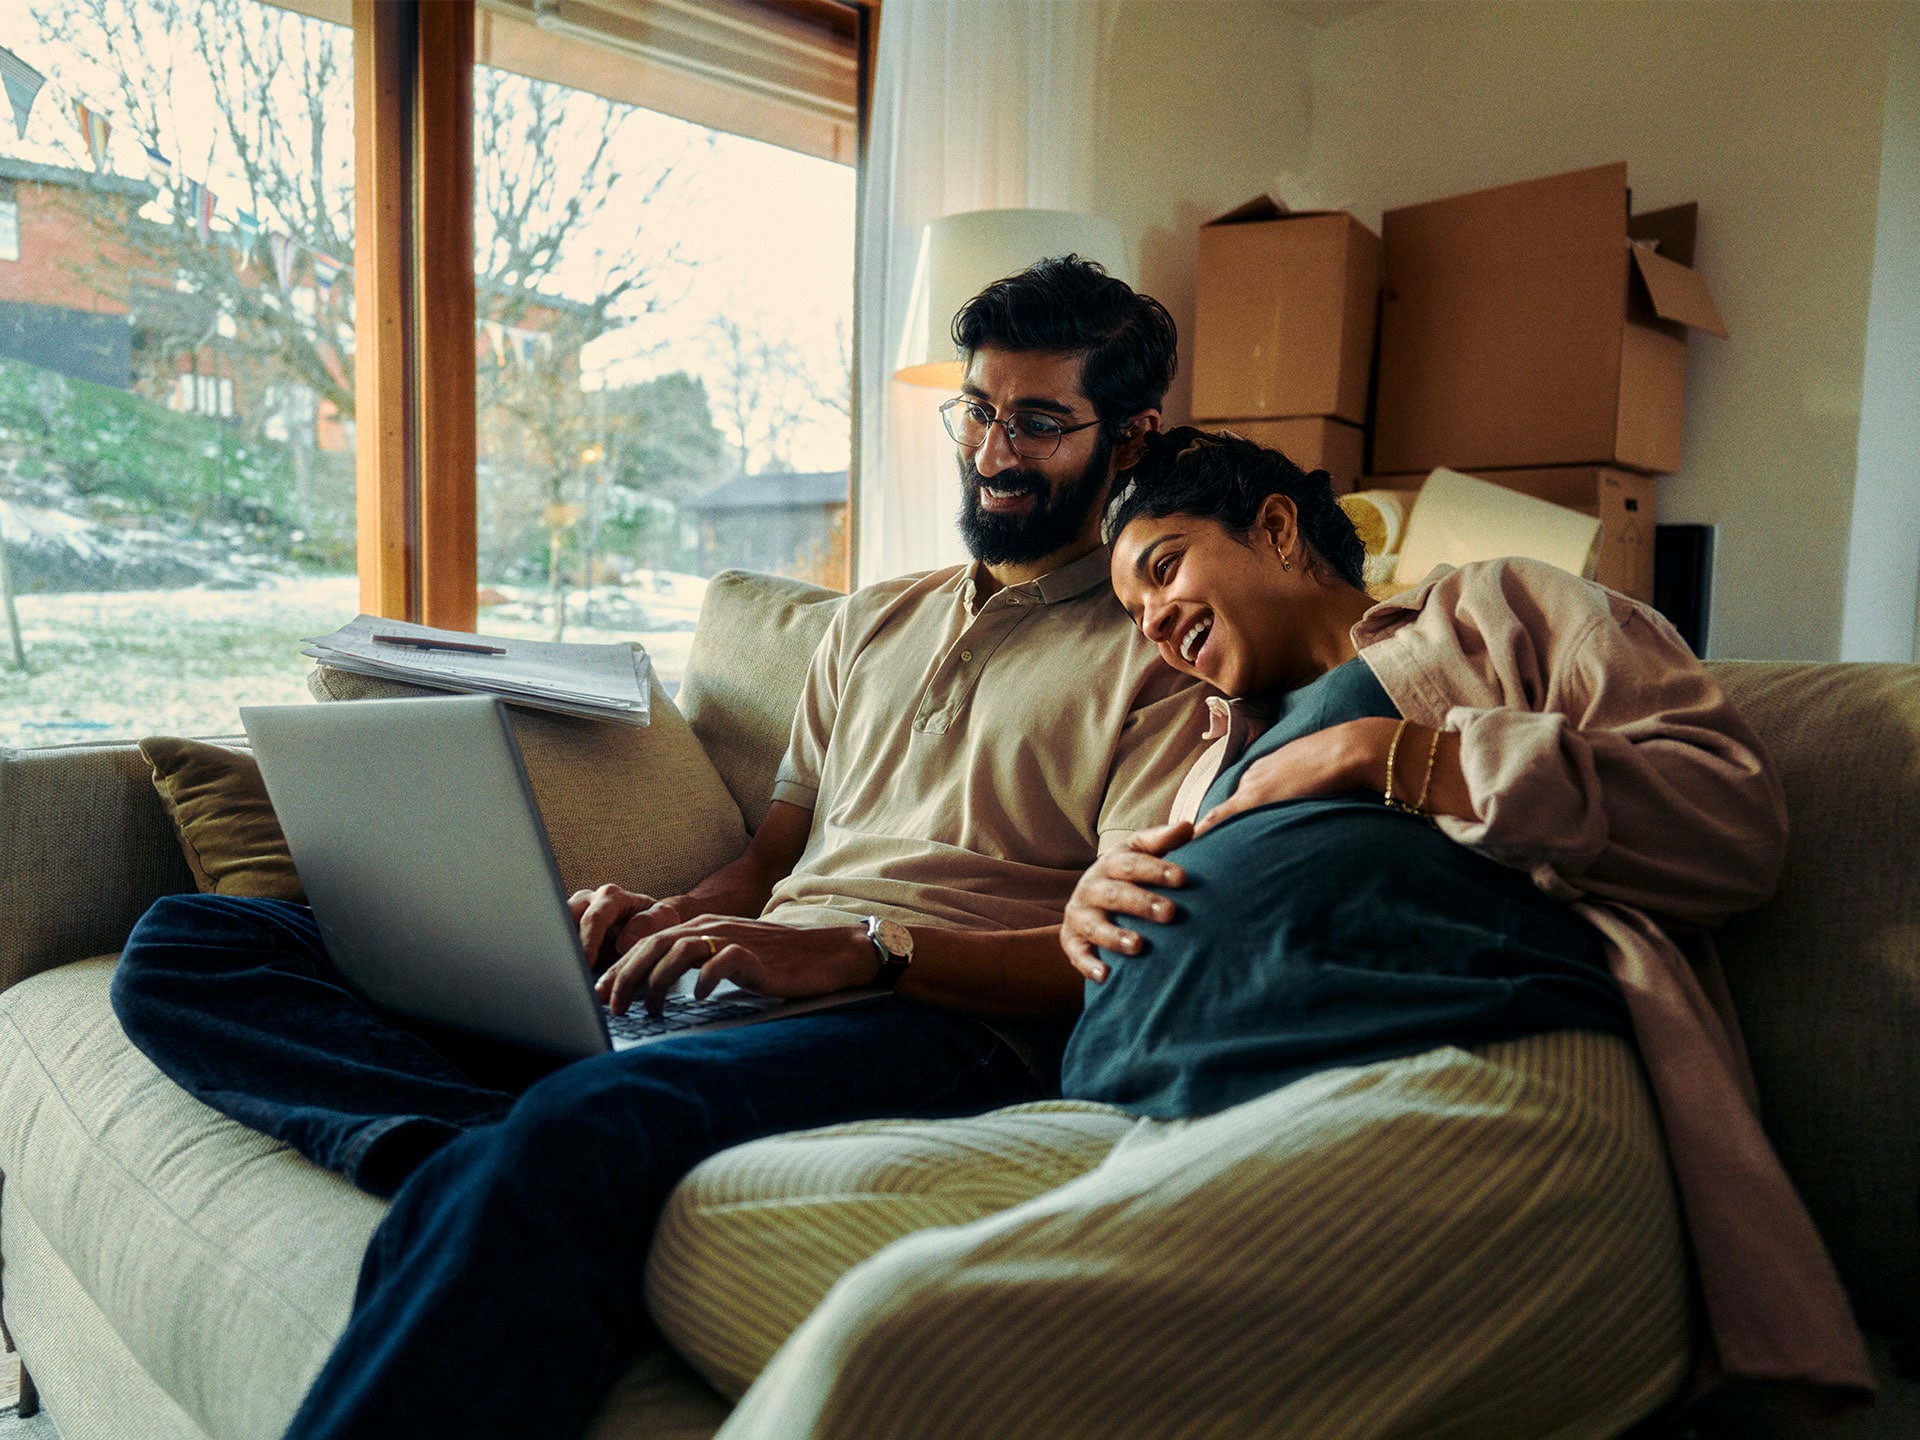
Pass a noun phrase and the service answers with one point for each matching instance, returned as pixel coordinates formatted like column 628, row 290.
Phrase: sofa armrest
column 85, row 847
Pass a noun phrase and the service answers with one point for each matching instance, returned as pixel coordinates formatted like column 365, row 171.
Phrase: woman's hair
column 1222, row 477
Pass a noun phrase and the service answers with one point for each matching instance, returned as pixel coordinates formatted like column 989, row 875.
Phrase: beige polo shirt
column 965, row 761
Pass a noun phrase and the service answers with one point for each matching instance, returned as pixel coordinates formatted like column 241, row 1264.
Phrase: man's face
column 1015, row 509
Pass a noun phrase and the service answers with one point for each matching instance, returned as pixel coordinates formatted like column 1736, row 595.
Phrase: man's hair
column 1071, row 306
column 1220, row 476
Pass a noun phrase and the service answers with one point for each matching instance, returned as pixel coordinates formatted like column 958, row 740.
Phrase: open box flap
column 1678, row 293
column 1289, row 195
column 1261, row 207
column 1672, row 229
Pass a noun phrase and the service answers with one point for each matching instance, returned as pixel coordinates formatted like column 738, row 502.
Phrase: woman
column 1358, row 1140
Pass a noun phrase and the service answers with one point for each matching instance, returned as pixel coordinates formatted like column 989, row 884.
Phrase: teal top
column 1322, row 932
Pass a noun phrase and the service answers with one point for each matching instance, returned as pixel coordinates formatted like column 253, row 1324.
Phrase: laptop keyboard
column 683, row 1012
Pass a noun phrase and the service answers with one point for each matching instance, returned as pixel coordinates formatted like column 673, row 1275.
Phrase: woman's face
column 1215, row 603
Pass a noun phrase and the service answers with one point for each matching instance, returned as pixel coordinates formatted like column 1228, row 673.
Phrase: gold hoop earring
column 1285, row 563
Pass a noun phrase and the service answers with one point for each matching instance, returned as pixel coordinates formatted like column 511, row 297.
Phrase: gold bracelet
column 1433, row 753
column 1393, row 750
column 1419, row 807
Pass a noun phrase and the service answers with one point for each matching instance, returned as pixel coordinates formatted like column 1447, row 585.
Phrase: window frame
column 414, row 380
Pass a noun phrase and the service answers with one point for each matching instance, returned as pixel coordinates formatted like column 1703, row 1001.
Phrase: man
column 967, row 740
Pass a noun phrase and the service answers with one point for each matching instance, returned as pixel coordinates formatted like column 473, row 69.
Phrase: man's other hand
column 1115, row 884
column 612, row 921
column 786, row 961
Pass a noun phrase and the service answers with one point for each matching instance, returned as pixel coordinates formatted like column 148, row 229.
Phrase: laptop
column 426, row 862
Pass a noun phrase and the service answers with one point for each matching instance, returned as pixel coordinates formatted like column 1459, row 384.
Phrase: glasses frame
column 1008, row 424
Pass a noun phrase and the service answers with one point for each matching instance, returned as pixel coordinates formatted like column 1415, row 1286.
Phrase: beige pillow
column 218, row 805
column 751, row 650
column 640, row 806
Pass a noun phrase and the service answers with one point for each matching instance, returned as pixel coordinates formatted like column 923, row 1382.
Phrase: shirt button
column 966, row 654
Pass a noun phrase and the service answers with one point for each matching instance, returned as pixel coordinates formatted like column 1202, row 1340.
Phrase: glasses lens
column 1033, row 436
column 965, row 422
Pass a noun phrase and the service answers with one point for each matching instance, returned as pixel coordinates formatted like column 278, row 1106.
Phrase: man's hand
column 1113, row 885
column 612, row 921
column 1341, row 758
column 787, row 961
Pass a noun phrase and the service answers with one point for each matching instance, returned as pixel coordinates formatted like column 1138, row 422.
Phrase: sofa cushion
column 74, row 1354
column 85, row 847
column 218, row 804
column 637, row 805
column 170, row 1272
column 756, row 637
column 1826, row 975
column 195, row 1237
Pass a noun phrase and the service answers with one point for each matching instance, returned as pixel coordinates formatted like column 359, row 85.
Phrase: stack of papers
column 601, row 682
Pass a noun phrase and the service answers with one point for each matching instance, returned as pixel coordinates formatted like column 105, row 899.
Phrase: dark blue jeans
column 502, row 1293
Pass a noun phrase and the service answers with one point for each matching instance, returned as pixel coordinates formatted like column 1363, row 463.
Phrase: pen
column 422, row 642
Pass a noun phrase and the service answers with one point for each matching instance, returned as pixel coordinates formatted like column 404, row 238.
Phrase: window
column 663, row 321
column 183, row 200
column 210, row 395
column 9, row 221
column 204, row 312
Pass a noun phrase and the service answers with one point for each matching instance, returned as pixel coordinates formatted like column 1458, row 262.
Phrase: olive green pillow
column 219, row 808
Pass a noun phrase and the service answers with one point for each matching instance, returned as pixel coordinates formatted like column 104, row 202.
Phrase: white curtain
column 977, row 105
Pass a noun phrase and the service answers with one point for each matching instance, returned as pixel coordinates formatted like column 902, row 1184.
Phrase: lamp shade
column 960, row 255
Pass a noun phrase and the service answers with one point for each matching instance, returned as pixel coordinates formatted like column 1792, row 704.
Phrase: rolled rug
column 1380, row 516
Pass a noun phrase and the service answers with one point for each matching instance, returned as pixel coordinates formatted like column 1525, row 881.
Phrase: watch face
column 894, row 938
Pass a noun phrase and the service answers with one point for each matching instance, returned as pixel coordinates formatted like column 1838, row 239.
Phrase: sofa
column 166, row 1274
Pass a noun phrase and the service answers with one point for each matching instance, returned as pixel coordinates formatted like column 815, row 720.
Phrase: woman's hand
column 1113, row 885
column 1334, row 761
column 1353, row 756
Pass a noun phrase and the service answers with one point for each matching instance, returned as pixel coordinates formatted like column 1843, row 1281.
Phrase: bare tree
column 551, row 163
column 763, row 396
column 282, row 87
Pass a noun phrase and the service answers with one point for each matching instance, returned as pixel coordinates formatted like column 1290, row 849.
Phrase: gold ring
column 712, row 948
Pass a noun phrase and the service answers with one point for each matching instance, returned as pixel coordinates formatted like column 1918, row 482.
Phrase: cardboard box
column 1627, row 504
column 1284, row 310
column 1520, row 327
column 1313, row 442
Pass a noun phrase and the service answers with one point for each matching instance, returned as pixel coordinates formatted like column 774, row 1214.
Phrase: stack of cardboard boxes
column 1284, row 309
column 1534, row 335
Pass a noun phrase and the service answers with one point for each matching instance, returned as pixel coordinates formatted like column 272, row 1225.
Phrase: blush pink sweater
column 1603, row 760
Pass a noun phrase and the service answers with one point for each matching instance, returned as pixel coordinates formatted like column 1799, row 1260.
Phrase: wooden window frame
column 414, row 380
column 414, row 373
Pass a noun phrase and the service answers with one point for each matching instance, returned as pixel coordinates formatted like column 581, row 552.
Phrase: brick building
column 66, row 282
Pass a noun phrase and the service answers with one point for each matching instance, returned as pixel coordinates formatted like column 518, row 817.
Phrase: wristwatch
column 893, row 943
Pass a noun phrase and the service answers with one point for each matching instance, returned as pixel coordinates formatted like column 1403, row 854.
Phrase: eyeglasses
column 1032, row 435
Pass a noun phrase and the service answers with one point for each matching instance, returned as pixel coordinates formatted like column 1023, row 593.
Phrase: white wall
column 1770, row 115
column 1204, row 102
column 1883, row 563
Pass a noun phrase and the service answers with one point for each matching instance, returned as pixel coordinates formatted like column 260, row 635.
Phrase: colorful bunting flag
column 23, row 84
column 326, row 270
column 497, row 338
column 286, row 254
column 246, row 235
column 200, row 203
column 159, row 168
column 94, row 126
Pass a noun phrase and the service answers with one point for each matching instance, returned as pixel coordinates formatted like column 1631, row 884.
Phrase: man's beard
column 1053, row 523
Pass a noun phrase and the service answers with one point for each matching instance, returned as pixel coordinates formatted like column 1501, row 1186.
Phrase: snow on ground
column 122, row 664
